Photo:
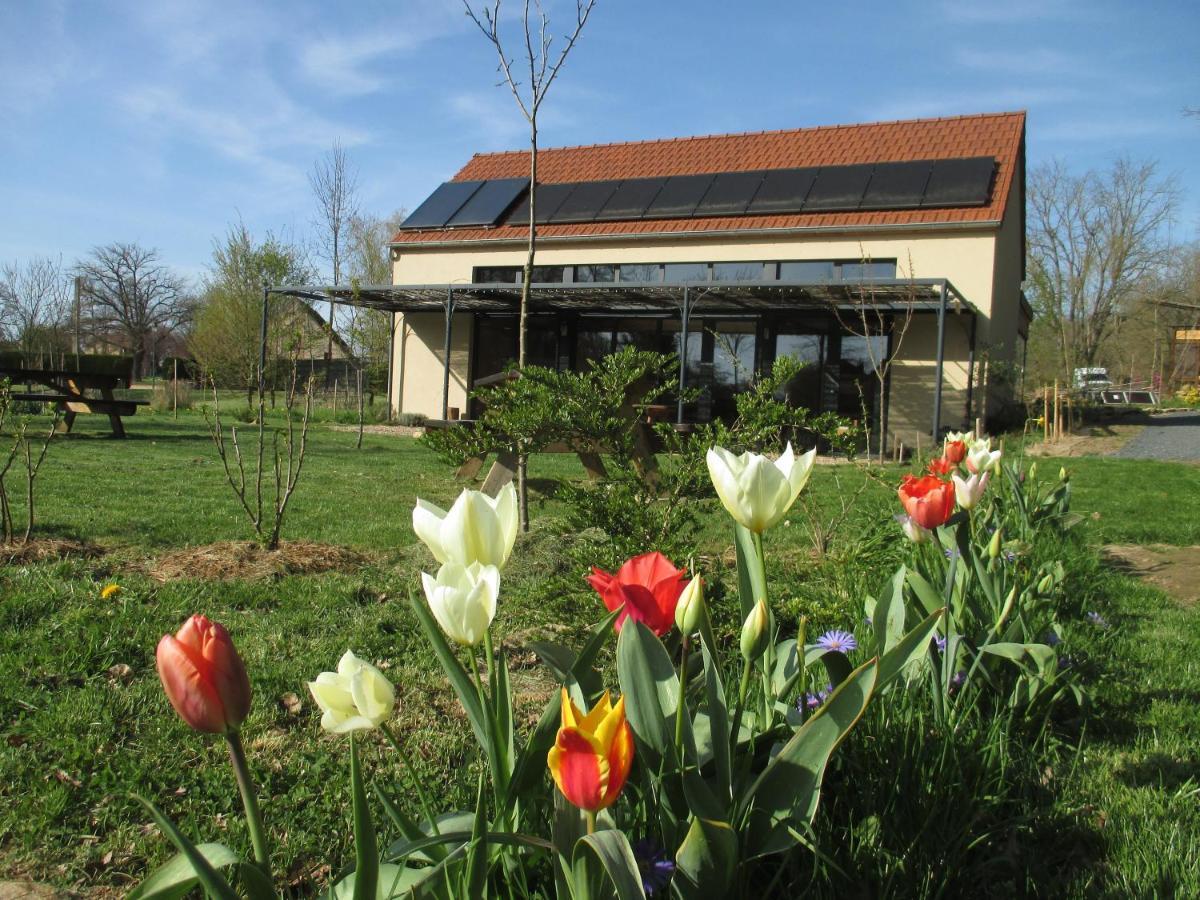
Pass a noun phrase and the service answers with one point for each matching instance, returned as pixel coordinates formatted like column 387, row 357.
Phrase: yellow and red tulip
column 593, row 753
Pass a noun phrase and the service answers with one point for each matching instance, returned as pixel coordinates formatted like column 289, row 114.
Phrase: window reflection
column 593, row 274
column 815, row 270
column 745, row 271
column 679, row 272
column 641, row 272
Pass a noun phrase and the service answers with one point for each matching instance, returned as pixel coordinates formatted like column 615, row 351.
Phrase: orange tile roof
column 990, row 134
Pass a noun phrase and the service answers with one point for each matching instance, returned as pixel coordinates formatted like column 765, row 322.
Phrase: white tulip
column 355, row 696
column 755, row 490
column 463, row 600
column 969, row 491
column 477, row 529
column 912, row 529
column 982, row 458
column 967, row 437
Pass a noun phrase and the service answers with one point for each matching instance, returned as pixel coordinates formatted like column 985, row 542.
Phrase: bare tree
column 543, row 66
column 24, row 447
column 1094, row 240
column 335, row 187
column 132, row 295
column 35, row 300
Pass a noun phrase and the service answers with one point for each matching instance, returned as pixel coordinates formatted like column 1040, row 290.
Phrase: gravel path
column 1172, row 436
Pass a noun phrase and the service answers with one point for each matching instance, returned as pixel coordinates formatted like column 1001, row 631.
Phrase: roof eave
column 983, row 225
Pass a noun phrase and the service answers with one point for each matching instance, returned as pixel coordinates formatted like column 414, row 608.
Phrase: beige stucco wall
column 972, row 259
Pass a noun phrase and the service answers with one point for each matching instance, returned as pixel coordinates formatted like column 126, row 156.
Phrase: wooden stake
column 1045, row 414
column 175, row 390
column 335, row 392
column 1057, row 413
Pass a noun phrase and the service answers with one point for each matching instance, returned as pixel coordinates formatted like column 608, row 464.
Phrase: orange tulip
column 929, row 501
column 955, row 451
column 203, row 676
column 592, row 755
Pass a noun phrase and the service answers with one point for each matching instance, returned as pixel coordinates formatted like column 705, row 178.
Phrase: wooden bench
column 69, row 394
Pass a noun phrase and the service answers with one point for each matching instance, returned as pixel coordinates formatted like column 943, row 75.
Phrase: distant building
column 755, row 245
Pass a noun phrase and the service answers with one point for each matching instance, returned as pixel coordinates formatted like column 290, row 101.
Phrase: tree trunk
column 522, row 457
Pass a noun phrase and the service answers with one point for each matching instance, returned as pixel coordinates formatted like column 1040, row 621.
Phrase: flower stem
column 683, row 659
column 410, row 775
column 590, row 816
column 258, row 835
column 736, row 730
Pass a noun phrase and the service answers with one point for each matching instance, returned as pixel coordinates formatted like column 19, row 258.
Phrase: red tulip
column 204, row 677
column 941, row 466
column 648, row 586
column 955, row 451
column 929, row 501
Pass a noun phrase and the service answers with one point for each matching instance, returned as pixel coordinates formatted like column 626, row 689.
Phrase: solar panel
column 549, row 198
column 631, row 199
column 782, row 191
column 441, row 204
column 838, row 188
column 960, row 182
column 730, row 194
column 679, row 196
column 585, row 202
column 488, row 204
column 897, row 185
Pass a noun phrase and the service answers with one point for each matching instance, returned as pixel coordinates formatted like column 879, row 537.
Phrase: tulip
column 592, row 755
column 754, row 632
column 477, row 529
column 929, row 501
column 646, row 589
column 356, row 696
column 1063, row 475
column 463, row 600
column 955, row 450
column 970, row 491
column 982, row 458
column 941, row 466
column 756, row 491
column 203, row 676
column 993, row 549
column 964, row 437
column 690, row 606
column 912, row 530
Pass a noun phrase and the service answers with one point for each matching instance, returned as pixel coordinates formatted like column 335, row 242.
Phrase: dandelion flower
column 109, row 591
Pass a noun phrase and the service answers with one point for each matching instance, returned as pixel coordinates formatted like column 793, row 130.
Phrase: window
column 497, row 274
column 679, row 272
column 814, row 270
column 594, row 274
column 863, row 271
column 549, row 274
column 641, row 272
column 743, row 271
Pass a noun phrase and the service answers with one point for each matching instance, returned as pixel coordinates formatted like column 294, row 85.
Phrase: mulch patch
column 247, row 559
column 46, row 549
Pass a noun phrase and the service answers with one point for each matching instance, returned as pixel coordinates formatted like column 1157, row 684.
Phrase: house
column 889, row 249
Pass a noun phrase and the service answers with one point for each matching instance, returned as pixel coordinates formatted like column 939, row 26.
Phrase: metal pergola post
column 446, row 352
column 262, row 341
column 685, row 315
column 941, row 357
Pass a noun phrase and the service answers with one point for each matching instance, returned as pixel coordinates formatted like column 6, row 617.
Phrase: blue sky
column 162, row 122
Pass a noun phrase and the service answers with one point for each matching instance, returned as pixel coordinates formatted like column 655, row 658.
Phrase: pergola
column 732, row 299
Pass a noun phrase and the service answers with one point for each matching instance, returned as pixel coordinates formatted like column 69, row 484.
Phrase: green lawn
column 80, row 731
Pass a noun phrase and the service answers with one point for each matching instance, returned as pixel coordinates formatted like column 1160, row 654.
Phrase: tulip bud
column 203, row 676
column 754, row 632
column 1033, row 470
column 1063, row 474
column 1046, row 584
column 994, row 545
column 690, row 606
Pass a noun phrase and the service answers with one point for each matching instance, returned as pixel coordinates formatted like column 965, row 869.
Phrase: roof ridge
column 1019, row 113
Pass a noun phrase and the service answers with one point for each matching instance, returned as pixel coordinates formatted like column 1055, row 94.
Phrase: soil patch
column 1097, row 440
column 394, row 430
column 45, row 549
column 246, row 559
column 1175, row 570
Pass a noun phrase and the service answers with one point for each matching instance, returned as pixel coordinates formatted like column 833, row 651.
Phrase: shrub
column 166, row 395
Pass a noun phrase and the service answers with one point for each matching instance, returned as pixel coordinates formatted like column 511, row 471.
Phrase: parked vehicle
column 1092, row 379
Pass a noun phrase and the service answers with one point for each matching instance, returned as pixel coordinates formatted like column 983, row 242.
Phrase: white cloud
column 1030, row 61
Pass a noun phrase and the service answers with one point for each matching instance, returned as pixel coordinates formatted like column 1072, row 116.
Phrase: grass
column 78, row 730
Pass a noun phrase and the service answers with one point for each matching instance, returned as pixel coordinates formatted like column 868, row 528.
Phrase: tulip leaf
column 255, row 883
column 718, row 719
column 1042, row 656
column 210, row 879
column 788, row 790
column 175, row 877
column 394, row 881
column 925, row 592
column 477, row 855
column 887, row 620
column 836, row 663
column 612, row 849
column 912, row 646
column 463, row 686
column 407, row 827
column 752, row 575
column 649, row 685
column 706, row 861
column 366, row 850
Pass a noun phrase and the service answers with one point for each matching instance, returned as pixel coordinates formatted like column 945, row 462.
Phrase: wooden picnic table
column 68, row 391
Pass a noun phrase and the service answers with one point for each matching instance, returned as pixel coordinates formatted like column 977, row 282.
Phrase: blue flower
column 654, row 867
column 941, row 643
column 957, row 681
column 1098, row 620
column 811, row 701
column 842, row 641
column 1052, row 639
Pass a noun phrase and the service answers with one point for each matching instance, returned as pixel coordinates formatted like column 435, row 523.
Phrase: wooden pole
column 1045, row 414
column 358, row 375
column 335, row 389
column 1057, row 412
column 175, row 390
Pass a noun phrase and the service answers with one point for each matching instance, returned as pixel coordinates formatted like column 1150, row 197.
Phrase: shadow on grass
column 1160, row 771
